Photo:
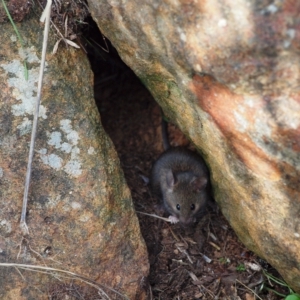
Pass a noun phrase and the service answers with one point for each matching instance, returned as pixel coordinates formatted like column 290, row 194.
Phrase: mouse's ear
column 171, row 179
column 199, row 183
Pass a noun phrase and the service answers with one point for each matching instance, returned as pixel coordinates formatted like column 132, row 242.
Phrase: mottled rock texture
column 227, row 72
column 80, row 214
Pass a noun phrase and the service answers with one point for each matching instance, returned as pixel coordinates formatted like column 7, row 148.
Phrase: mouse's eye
column 192, row 206
column 178, row 207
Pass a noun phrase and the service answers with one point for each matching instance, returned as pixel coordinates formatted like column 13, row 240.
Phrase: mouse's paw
column 173, row 219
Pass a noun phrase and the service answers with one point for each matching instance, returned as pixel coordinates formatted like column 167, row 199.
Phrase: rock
column 80, row 214
column 227, row 73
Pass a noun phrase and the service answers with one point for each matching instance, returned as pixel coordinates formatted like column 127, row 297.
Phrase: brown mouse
column 181, row 179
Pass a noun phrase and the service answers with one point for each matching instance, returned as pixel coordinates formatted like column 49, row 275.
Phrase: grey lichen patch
column 72, row 135
column 24, row 90
column 73, row 167
column 55, row 139
column 13, row 38
column 5, row 227
column 25, row 126
column 76, row 205
column 52, row 160
column 55, row 161
column 85, row 217
column 91, row 151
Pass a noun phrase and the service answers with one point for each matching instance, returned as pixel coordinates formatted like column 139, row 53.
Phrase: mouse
column 180, row 178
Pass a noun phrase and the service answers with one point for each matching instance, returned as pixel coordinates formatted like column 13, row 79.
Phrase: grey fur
column 181, row 179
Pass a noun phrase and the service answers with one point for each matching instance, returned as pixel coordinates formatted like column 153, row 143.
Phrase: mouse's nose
column 185, row 222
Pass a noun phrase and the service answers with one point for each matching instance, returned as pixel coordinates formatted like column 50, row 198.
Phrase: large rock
column 80, row 214
column 227, row 72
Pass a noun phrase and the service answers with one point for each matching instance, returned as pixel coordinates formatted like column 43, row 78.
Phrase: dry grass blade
column 45, row 16
column 72, row 44
column 67, row 41
column 154, row 216
column 55, row 48
column 185, row 253
column 13, row 24
column 248, row 289
column 215, row 246
column 18, row 35
column 68, row 275
column 206, row 258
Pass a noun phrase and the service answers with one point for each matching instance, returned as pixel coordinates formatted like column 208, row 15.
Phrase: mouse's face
column 186, row 197
column 185, row 204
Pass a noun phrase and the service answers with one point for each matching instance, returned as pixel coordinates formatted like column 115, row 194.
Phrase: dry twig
column 44, row 18
column 154, row 216
column 69, row 275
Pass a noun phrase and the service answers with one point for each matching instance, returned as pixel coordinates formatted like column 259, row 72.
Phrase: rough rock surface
column 80, row 214
column 227, row 72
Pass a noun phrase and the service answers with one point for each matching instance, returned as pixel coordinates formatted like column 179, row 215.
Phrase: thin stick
column 48, row 269
column 155, row 216
column 46, row 15
column 185, row 253
column 248, row 289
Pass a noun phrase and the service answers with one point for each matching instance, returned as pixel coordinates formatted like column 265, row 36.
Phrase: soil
column 206, row 262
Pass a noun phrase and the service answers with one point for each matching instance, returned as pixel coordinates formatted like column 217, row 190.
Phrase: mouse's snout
column 185, row 222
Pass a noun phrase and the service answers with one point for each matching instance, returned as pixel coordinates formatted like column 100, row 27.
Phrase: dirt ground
column 206, row 262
